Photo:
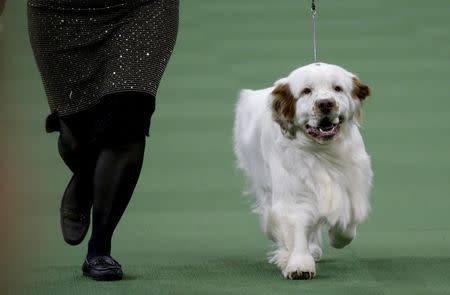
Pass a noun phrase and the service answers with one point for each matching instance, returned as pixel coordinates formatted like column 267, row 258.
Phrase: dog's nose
column 326, row 105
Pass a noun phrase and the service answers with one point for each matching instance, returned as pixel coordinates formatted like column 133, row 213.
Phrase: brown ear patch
column 283, row 108
column 360, row 90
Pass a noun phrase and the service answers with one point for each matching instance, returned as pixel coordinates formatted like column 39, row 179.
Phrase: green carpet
column 189, row 229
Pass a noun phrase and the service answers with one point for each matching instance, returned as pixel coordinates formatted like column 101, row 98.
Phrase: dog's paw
column 300, row 267
column 300, row 275
column 315, row 251
column 339, row 238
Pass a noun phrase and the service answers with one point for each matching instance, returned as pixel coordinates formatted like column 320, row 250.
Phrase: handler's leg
column 116, row 174
column 77, row 198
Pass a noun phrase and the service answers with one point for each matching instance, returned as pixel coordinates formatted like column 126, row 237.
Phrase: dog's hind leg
column 315, row 243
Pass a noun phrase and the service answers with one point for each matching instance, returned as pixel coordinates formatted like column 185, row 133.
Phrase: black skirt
column 117, row 118
column 94, row 54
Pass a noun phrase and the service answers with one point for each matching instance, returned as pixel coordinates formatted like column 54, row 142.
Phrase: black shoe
column 102, row 268
column 74, row 221
column 74, row 226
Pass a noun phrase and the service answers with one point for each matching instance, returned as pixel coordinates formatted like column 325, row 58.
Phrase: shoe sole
column 109, row 277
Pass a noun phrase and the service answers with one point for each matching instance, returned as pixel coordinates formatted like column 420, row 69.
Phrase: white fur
column 301, row 184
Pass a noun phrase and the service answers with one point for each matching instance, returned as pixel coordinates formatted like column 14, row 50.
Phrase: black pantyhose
column 115, row 177
column 105, row 175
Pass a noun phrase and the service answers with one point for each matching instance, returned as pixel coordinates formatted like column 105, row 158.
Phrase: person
column 101, row 62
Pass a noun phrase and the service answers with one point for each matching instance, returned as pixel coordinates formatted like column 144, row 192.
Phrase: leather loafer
column 74, row 221
column 102, row 268
column 74, row 226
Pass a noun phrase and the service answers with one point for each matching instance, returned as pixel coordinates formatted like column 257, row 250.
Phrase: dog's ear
column 284, row 102
column 283, row 108
column 360, row 90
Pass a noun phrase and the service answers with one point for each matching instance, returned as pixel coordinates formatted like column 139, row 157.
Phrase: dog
column 299, row 145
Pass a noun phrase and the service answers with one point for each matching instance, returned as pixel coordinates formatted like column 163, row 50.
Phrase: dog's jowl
column 299, row 144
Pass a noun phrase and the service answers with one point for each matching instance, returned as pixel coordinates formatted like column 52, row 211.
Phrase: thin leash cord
column 313, row 12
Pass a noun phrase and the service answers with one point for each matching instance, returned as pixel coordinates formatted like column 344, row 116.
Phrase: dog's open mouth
column 324, row 131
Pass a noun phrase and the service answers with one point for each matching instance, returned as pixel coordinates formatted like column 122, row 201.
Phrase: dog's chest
column 323, row 181
column 330, row 189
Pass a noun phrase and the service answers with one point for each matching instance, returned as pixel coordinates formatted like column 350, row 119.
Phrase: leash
column 313, row 13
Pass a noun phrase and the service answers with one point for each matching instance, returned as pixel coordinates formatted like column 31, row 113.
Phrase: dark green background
column 188, row 229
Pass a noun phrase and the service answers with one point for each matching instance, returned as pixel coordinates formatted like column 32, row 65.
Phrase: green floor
column 188, row 229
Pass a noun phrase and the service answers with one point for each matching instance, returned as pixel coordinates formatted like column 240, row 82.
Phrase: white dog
column 299, row 144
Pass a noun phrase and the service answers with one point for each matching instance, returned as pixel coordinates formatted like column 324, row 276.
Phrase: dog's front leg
column 290, row 226
column 301, row 264
column 341, row 236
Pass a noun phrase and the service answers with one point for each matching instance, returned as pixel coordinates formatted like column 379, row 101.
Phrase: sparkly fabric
column 87, row 49
column 77, row 4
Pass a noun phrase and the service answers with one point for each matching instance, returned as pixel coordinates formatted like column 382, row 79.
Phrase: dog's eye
column 306, row 91
column 338, row 88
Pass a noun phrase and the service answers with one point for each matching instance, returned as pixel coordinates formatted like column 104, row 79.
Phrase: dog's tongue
column 326, row 128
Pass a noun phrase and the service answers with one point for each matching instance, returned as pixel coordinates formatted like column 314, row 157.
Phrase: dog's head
column 317, row 101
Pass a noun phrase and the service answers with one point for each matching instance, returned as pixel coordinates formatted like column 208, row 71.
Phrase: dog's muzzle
column 328, row 123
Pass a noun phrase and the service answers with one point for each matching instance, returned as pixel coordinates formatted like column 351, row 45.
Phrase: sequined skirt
column 88, row 49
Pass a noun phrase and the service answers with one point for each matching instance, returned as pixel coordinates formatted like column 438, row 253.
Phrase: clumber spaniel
column 299, row 144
